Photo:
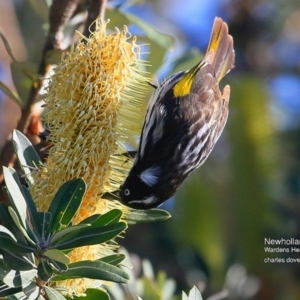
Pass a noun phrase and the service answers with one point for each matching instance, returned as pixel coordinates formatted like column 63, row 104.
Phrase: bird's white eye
column 126, row 192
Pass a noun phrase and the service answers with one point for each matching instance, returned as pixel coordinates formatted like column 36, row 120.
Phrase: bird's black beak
column 111, row 195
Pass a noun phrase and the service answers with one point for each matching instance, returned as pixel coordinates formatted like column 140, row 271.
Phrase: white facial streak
column 150, row 176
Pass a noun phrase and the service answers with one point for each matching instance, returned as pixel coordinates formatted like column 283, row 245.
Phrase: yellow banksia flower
column 94, row 107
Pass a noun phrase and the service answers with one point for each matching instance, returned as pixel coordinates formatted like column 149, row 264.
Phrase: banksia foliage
column 94, row 107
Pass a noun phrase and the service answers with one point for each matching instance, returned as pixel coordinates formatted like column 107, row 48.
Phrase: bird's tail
column 220, row 51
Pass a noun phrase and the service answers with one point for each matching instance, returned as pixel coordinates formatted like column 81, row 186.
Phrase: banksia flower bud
column 94, row 107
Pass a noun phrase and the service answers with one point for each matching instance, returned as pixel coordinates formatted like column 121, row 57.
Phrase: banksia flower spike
column 94, row 107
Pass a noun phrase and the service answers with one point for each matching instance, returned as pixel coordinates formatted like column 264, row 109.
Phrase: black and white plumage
column 185, row 117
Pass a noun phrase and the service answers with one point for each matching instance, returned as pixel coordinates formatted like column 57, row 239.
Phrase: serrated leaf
column 14, row 278
column 27, row 156
column 11, row 94
column 31, row 291
column 66, row 202
column 89, row 236
column 94, row 294
column 57, row 255
column 53, row 294
column 114, row 259
column 45, row 270
column 94, row 270
column 144, row 216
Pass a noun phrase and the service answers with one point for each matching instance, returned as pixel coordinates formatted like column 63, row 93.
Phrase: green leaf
column 43, row 221
column 17, row 296
column 89, row 236
column 144, row 216
column 16, row 177
column 7, row 232
column 114, row 259
column 118, row 18
column 24, row 77
column 30, row 203
column 45, row 270
column 163, row 40
column 41, row 9
column 6, row 290
column 9, row 224
column 53, row 57
column 7, row 221
column 91, row 219
column 59, row 267
column 126, row 262
column 17, row 199
column 15, row 218
column 11, row 94
column 66, row 202
column 33, row 226
column 27, row 156
column 187, row 60
column 16, row 261
column 94, row 270
column 29, row 220
column 53, row 294
column 9, row 243
column 31, row 291
column 7, row 45
column 57, row 255
column 14, row 278
column 111, row 217
column 57, row 236
column 94, row 294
